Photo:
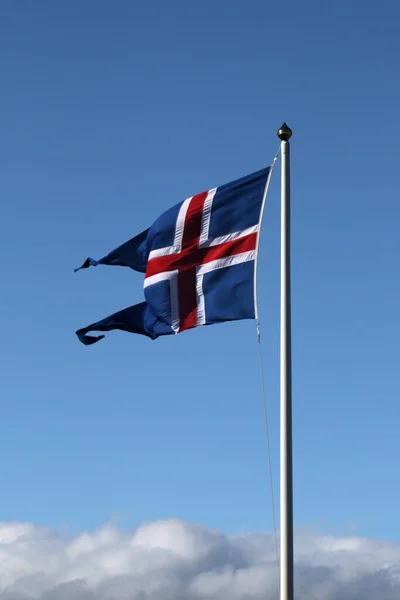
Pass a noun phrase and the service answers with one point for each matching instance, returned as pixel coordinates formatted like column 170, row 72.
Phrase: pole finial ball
column 284, row 133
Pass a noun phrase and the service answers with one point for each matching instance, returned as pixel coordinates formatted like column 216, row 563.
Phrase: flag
column 198, row 259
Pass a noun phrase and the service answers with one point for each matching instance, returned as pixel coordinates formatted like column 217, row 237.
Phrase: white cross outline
column 201, row 270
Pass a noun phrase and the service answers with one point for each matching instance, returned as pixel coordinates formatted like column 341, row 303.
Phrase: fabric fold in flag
column 135, row 319
column 198, row 258
column 131, row 254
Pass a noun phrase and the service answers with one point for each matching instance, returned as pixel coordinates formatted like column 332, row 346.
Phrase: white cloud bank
column 175, row 560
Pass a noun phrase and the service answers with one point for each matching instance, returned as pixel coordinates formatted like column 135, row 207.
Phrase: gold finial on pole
column 284, row 133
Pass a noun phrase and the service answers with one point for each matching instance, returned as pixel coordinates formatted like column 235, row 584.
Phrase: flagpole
column 286, row 457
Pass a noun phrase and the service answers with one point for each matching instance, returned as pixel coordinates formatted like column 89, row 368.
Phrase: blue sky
column 112, row 112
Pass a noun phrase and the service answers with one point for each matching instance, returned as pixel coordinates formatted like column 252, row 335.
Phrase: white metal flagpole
column 286, row 453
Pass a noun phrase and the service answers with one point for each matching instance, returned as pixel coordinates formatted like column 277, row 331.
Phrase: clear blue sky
column 110, row 113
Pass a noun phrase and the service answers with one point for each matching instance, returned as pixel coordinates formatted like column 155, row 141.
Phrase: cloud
column 175, row 560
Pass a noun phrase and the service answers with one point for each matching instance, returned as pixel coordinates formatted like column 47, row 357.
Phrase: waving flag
column 198, row 258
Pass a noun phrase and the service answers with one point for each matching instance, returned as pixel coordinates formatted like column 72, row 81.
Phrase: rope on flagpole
column 258, row 238
column 262, row 371
column 269, row 454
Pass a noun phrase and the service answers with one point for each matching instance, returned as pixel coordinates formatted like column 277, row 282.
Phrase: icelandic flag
column 198, row 259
